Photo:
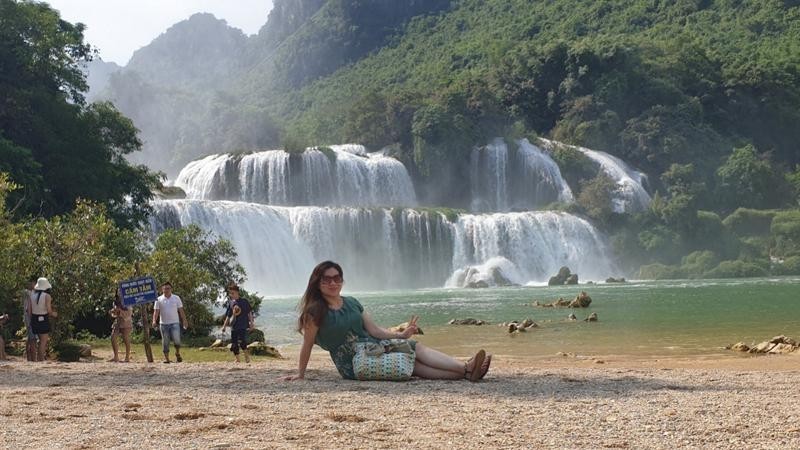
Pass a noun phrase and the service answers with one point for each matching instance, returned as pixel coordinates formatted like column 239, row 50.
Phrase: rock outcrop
column 775, row 346
column 468, row 321
column 582, row 300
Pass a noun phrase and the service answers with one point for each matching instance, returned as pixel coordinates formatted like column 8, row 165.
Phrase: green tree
column 596, row 198
column 199, row 266
column 746, row 180
column 52, row 142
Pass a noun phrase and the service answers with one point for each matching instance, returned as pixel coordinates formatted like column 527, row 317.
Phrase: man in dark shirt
column 239, row 315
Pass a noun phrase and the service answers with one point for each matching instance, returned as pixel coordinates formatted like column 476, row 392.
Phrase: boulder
column 86, row 350
column 582, row 300
column 740, row 347
column 402, row 327
column 256, row 335
column 572, row 316
column 777, row 345
column 564, row 276
column 592, row 318
column 468, row 321
column 217, row 343
column 615, row 280
column 262, row 349
column 521, row 327
column 480, row 284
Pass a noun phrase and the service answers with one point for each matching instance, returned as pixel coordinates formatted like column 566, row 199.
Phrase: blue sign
column 138, row 291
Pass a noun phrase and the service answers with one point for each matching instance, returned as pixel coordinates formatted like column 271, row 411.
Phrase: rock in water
column 592, row 318
column 468, row 321
column 582, row 300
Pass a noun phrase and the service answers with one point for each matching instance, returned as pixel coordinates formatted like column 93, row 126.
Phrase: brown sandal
column 485, row 370
column 477, row 363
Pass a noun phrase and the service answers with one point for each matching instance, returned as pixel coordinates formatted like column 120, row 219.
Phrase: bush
column 67, row 351
column 661, row 272
column 736, row 269
column 785, row 230
column 256, row 335
column 697, row 263
column 749, row 222
column 789, row 266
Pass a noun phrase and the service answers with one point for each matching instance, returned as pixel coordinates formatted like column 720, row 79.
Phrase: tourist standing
column 41, row 306
column 123, row 325
column 168, row 310
column 239, row 315
column 30, row 341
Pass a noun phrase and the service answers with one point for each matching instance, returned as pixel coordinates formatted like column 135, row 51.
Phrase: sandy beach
column 554, row 402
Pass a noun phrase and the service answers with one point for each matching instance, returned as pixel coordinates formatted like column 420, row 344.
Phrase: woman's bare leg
column 114, row 346
column 438, row 360
column 42, row 352
column 126, row 336
column 424, row 371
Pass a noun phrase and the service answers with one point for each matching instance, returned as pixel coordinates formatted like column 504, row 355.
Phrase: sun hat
column 42, row 284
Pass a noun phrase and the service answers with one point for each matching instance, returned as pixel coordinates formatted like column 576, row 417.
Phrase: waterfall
column 527, row 247
column 519, row 180
column 345, row 176
column 278, row 246
column 388, row 248
column 631, row 195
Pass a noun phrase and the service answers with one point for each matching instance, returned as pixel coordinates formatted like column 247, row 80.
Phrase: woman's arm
column 309, row 337
column 381, row 333
column 49, row 303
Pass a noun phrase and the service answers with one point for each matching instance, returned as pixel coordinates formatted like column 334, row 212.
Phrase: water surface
column 662, row 319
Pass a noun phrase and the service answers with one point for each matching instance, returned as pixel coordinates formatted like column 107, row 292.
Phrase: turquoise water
column 675, row 318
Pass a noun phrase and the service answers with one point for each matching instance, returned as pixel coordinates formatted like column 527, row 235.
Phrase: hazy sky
column 118, row 27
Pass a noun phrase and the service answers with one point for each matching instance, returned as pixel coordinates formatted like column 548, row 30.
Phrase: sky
column 119, row 27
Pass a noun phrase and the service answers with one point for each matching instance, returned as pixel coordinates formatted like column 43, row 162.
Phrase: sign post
column 140, row 291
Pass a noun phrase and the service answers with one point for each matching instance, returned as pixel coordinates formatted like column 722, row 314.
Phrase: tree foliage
column 53, row 144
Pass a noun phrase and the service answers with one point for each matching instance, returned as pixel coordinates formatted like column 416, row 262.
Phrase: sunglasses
column 336, row 279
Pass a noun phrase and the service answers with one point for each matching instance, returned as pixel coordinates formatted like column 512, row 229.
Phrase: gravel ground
column 546, row 403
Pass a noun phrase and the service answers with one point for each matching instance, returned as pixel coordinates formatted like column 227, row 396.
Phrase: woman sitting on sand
column 331, row 321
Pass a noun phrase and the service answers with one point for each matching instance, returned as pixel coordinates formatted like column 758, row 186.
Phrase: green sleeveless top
column 339, row 329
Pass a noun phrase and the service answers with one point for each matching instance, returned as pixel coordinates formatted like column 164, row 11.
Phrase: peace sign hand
column 411, row 329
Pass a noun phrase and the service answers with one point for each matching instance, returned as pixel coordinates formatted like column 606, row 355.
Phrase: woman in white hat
column 41, row 311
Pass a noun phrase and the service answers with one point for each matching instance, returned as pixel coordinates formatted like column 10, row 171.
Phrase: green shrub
column 67, row 351
column 785, row 231
column 750, row 222
column 661, row 272
column 695, row 264
column 256, row 335
column 736, row 269
column 789, row 266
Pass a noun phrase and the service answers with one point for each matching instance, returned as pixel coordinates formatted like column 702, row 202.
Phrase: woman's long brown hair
column 312, row 306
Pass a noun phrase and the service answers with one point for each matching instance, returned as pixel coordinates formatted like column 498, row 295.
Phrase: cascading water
column 388, row 248
column 631, row 195
column 344, row 176
column 381, row 243
column 525, row 247
column 278, row 246
column 522, row 179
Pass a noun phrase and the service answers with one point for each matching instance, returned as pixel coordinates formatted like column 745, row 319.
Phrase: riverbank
column 554, row 402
